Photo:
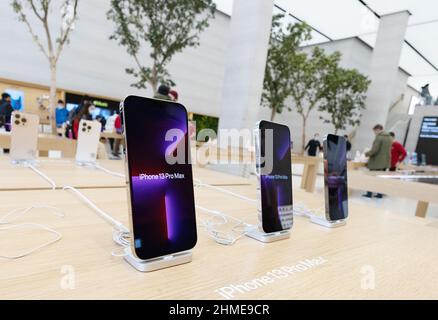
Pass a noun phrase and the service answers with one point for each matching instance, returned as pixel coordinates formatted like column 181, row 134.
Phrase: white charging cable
column 121, row 234
column 301, row 209
column 212, row 226
column 221, row 237
column 199, row 183
column 113, row 173
column 97, row 166
column 42, row 174
column 5, row 224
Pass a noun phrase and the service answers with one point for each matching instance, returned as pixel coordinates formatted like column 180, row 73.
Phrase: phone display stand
column 24, row 163
column 328, row 224
column 85, row 163
column 157, row 263
column 261, row 236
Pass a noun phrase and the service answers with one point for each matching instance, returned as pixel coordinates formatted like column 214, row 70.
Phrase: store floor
column 401, row 206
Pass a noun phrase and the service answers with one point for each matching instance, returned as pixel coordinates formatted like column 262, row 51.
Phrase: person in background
column 162, row 93
column 110, row 127
column 173, row 95
column 119, row 129
column 313, row 146
column 6, row 111
column 380, row 154
column 398, row 153
column 61, row 114
column 84, row 114
column 102, row 121
column 348, row 143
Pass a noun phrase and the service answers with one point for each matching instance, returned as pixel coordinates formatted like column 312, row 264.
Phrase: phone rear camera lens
column 24, row 120
column 17, row 122
column 83, row 129
column 17, row 116
column 89, row 127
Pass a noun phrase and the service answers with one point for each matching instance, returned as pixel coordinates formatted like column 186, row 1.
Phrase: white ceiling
column 346, row 18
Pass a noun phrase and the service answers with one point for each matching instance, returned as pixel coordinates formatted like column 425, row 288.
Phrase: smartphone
column 88, row 141
column 160, row 179
column 274, row 172
column 24, row 136
column 335, row 178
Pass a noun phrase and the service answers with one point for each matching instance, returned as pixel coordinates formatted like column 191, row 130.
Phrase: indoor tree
column 308, row 75
column 166, row 27
column 51, row 46
column 283, row 47
column 345, row 94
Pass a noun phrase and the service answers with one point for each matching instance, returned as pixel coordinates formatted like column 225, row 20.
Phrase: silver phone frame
column 128, row 187
column 257, row 152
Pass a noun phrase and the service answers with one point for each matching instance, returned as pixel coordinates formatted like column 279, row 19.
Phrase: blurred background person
column 313, row 146
column 102, row 121
column 380, row 154
column 118, row 126
column 162, row 93
column 398, row 153
column 61, row 114
column 173, row 95
column 6, row 111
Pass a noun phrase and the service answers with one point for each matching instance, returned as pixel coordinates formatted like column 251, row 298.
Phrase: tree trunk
column 303, row 135
column 273, row 112
column 52, row 97
column 154, row 80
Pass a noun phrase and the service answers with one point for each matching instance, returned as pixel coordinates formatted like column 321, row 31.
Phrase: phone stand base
column 157, row 263
column 85, row 163
column 24, row 163
column 268, row 237
column 328, row 224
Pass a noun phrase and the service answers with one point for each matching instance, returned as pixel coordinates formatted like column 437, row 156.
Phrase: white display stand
column 328, row 224
column 261, row 236
column 157, row 263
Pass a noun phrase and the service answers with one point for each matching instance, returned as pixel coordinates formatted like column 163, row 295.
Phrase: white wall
column 355, row 55
column 95, row 65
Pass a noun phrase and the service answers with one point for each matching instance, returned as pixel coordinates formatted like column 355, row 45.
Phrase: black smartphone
column 335, row 178
column 159, row 177
column 274, row 172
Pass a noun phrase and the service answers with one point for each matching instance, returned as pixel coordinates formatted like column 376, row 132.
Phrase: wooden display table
column 46, row 142
column 377, row 255
column 311, row 165
column 424, row 193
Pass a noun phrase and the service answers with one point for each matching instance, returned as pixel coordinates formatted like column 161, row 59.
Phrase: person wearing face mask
column 86, row 113
column 61, row 114
column 313, row 146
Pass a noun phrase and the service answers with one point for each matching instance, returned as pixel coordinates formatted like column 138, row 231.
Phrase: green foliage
column 205, row 122
column 166, row 26
column 344, row 97
column 283, row 48
column 309, row 74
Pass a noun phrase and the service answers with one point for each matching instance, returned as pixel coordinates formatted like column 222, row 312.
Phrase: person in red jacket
column 398, row 153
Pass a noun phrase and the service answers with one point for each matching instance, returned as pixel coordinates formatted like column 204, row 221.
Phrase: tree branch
column 34, row 35
column 64, row 35
column 35, row 10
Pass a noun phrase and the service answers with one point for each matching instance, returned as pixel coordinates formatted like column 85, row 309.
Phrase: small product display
column 335, row 178
column 160, row 192
column 24, row 137
column 274, row 172
column 335, row 182
column 88, row 141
